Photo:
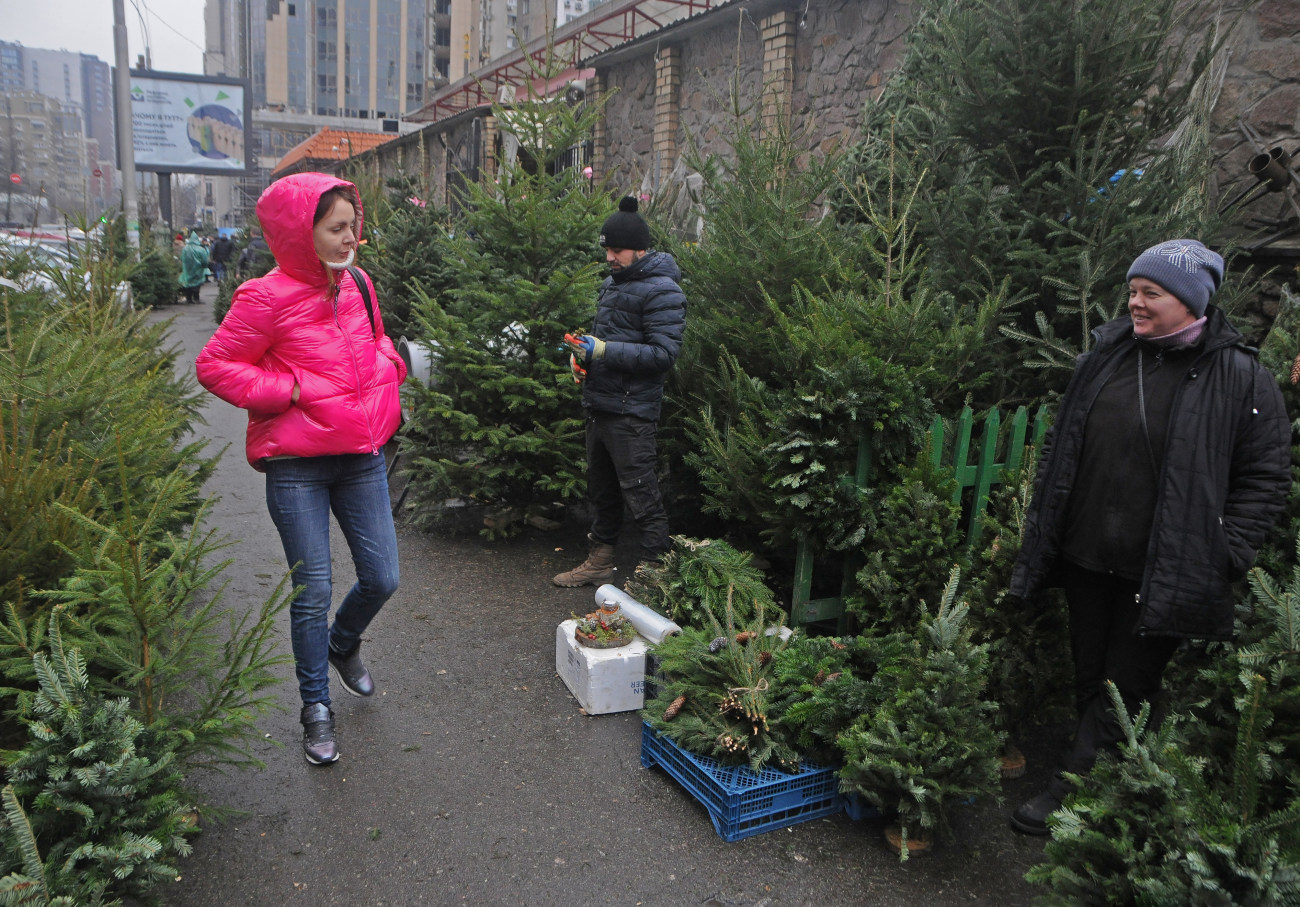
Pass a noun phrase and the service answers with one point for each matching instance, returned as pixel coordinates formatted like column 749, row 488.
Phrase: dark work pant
column 621, row 469
column 1103, row 617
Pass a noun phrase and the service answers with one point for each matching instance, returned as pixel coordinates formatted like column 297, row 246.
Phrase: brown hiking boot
column 596, row 569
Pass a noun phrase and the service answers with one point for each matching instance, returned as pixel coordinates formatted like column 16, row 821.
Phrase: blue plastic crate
column 740, row 802
column 859, row 808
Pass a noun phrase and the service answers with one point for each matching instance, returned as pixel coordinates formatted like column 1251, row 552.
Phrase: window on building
column 293, row 9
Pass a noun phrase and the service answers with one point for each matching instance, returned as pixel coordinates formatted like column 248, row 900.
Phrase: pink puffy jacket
column 293, row 326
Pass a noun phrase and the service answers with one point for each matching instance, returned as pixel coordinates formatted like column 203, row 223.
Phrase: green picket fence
column 995, row 438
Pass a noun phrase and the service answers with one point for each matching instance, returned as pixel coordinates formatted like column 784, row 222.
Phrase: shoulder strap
column 360, row 278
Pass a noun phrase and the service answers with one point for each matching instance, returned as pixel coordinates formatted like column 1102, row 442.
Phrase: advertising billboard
column 190, row 124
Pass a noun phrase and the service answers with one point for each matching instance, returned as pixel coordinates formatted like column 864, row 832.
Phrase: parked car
column 47, row 264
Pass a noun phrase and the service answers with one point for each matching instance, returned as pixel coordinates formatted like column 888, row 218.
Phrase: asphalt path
column 472, row 777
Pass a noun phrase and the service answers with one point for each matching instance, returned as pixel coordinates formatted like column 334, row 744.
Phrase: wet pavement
column 472, row 776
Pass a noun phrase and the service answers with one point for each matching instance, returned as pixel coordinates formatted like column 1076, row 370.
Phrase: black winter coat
column 641, row 316
column 1223, row 483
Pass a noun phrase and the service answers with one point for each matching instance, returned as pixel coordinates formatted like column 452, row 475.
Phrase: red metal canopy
column 607, row 26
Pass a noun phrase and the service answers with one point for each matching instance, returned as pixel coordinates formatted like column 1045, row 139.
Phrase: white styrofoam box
column 602, row 680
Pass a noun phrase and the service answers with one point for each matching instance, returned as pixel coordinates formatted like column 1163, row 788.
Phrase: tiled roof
column 329, row 145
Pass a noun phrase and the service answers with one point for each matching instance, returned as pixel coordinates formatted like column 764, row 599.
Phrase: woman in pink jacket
column 301, row 351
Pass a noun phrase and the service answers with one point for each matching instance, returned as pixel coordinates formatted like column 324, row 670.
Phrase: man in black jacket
column 223, row 248
column 622, row 363
column 1167, row 464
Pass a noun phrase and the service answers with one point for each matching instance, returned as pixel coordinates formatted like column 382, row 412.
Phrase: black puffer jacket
column 641, row 316
column 1225, row 478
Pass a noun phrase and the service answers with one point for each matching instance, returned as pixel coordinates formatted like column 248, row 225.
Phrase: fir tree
column 1148, row 827
column 916, row 539
column 405, row 251
column 703, row 577
column 1030, row 667
column 503, row 424
column 823, row 685
column 133, row 603
column 716, row 699
column 102, row 790
column 30, row 884
column 1053, row 143
column 933, row 740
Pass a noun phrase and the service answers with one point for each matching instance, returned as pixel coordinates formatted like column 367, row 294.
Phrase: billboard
column 190, row 124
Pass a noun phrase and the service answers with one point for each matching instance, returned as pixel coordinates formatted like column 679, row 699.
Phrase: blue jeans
column 300, row 493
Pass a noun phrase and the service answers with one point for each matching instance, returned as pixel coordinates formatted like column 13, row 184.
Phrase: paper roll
column 650, row 624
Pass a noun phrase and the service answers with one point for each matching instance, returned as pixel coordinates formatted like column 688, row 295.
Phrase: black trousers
column 622, row 465
column 1104, row 616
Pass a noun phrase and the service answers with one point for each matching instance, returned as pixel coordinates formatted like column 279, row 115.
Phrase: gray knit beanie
column 625, row 229
column 1185, row 268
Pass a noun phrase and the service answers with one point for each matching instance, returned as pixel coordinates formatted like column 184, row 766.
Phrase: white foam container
column 602, row 680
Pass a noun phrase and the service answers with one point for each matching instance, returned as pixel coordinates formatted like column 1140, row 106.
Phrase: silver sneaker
column 319, row 743
column 352, row 672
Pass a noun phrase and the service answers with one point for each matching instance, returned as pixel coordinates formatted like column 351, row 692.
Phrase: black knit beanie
column 625, row 229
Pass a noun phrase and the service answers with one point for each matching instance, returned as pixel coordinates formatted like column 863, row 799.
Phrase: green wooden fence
column 995, row 438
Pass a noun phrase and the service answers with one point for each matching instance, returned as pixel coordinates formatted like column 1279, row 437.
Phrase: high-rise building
column 43, row 142
column 73, row 127
column 353, row 65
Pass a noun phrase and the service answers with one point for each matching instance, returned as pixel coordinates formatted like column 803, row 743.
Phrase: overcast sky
column 171, row 29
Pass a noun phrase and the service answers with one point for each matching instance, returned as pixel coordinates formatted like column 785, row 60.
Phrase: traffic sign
column 15, row 178
column 97, row 172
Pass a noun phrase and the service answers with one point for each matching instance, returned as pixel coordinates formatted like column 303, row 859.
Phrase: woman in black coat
column 1167, row 464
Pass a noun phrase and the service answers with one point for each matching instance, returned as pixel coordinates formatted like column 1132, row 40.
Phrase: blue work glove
column 586, row 347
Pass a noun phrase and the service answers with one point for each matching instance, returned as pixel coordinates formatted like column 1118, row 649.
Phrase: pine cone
column 835, row 676
column 764, row 657
column 820, row 678
column 717, row 645
column 836, row 644
column 745, row 637
column 674, row 707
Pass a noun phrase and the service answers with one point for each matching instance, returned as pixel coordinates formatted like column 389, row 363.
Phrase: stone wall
column 629, row 122
column 842, row 53
column 1259, row 103
column 845, row 53
column 667, row 93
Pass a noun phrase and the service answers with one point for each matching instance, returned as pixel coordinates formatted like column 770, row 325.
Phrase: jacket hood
column 652, row 264
column 285, row 211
